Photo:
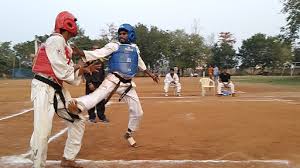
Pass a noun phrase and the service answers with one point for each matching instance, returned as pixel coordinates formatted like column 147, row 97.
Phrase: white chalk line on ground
column 228, row 100
column 31, row 109
column 200, row 98
column 285, row 162
column 14, row 115
column 3, row 83
column 57, row 135
column 17, row 160
column 61, row 132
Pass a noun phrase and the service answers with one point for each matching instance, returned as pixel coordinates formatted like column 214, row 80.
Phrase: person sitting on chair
column 172, row 79
column 224, row 81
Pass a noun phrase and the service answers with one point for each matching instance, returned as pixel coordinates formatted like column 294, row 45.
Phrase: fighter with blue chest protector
column 124, row 62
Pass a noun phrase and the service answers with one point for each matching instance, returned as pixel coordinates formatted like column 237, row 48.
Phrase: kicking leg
column 84, row 103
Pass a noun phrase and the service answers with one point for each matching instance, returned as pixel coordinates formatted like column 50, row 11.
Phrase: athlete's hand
column 155, row 78
column 80, row 66
column 94, row 67
column 72, row 107
column 81, row 63
column 77, row 51
column 91, row 68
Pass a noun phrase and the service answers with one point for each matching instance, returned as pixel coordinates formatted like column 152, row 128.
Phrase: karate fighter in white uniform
column 172, row 79
column 53, row 66
column 124, row 62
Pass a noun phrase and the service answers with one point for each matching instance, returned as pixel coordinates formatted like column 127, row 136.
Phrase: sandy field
column 259, row 128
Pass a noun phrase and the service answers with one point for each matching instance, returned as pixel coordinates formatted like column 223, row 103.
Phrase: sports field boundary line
column 244, row 98
column 19, row 159
column 286, row 162
column 17, row 114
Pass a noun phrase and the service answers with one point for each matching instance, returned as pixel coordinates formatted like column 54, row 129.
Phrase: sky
column 22, row 20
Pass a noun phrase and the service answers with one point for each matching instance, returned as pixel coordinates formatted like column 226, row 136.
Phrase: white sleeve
column 55, row 49
column 141, row 63
column 168, row 78
column 101, row 53
column 77, row 79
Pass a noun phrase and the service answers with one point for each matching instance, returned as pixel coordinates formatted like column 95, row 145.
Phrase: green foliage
column 177, row 48
column 7, row 57
column 23, row 52
column 264, row 51
column 160, row 48
column 223, row 56
column 43, row 38
column 292, row 9
column 152, row 43
column 81, row 41
column 85, row 43
column 297, row 54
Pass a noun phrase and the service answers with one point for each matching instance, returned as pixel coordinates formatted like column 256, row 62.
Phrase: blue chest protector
column 124, row 61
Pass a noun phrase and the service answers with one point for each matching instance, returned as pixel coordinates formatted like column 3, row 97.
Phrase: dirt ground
column 261, row 123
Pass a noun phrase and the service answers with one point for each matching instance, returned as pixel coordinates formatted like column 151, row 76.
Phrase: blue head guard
column 130, row 30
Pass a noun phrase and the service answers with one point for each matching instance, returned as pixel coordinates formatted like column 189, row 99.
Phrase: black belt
column 121, row 78
column 58, row 90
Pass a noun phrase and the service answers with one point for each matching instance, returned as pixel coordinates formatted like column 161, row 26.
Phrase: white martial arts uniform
column 42, row 96
column 169, row 79
column 228, row 84
column 131, row 98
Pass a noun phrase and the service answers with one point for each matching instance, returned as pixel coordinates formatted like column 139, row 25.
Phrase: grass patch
column 276, row 80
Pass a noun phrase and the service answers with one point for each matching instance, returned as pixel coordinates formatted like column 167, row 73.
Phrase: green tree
column 82, row 41
column 7, row 57
column 223, row 55
column 187, row 50
column 42, row 39
column 24, row 52
column 170, row 48
column 297, row 54
column 264, row 51
column 291, row 29
column 153, row 43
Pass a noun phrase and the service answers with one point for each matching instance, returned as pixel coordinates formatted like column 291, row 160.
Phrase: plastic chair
column 207, row 83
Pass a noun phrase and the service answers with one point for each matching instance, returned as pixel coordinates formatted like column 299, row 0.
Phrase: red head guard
column 65, row 20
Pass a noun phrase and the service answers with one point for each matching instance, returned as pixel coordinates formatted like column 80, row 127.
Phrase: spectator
column 225, row 81
column 93, row 81
column 210, row 72
column 172, row 79
column 216, row 73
